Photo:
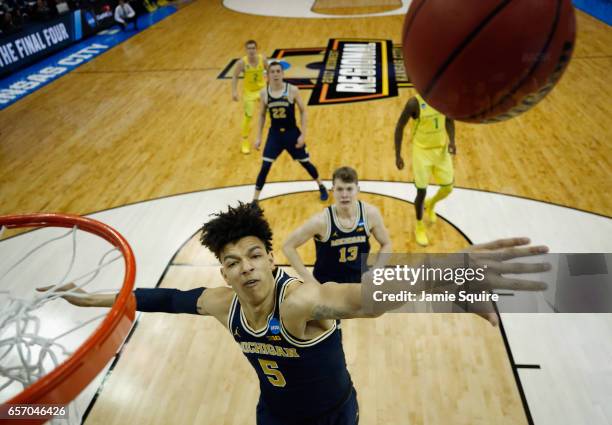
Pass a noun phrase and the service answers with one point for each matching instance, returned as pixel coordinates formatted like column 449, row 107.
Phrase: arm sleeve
column 166, row 300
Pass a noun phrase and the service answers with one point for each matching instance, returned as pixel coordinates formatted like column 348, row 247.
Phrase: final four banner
column 35, row 42
column 355, row 70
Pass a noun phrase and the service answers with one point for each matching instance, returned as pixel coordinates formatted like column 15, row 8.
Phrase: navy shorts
column 280, row 139
column 345, row 414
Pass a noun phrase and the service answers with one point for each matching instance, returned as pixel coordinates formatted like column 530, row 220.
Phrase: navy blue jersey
column 297, row 378
column 339, row 251
column 282, row 110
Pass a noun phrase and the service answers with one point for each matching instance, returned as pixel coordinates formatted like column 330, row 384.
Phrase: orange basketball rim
column 67, row 380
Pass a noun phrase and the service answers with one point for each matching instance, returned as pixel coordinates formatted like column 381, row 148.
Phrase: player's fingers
column 44, row 288
column 63, row 288
column 518, row 284
column 517, row 268
column 528, row 251
column 502, row 243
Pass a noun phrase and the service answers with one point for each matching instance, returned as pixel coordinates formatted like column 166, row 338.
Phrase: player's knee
column 312, row 170
column 447, row 189
column 421, row 193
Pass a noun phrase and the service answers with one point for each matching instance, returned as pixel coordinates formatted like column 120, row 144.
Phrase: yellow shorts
column 250, row 100
column 432, row 162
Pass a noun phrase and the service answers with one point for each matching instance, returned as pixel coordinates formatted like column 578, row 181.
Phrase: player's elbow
column 288, row 247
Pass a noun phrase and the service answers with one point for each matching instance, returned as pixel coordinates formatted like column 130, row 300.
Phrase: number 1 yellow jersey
column 429, row 130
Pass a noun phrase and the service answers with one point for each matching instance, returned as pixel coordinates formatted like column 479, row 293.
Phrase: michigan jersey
column 339, row 252
column 253, row 75
column 429, row 130
column 297, row 378
column 282, row 110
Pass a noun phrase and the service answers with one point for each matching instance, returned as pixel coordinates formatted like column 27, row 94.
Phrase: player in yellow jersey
column 433, row 143
column 253, row 66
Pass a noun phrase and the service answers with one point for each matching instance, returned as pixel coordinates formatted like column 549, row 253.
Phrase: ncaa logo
column 274, row 326
column 90, row 19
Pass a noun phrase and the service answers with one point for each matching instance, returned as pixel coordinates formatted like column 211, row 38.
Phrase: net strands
column 41, row 364
column 18, row 318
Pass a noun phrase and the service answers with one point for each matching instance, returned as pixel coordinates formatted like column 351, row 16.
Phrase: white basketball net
column 34, row 336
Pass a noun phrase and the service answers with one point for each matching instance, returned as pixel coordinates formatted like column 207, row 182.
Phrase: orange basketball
column 487, row 60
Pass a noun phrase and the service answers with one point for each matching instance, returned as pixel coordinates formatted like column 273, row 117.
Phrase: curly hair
column 234, row 224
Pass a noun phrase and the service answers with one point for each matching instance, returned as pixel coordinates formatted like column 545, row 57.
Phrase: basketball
column 487, row 61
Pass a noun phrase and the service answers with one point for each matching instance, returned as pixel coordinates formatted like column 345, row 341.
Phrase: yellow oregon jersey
column 253, row 75
column 429, row 130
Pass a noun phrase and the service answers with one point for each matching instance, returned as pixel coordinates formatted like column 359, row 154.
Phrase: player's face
column 251, row 50
column 247, row 268
column 345, row 193
column 275, row 73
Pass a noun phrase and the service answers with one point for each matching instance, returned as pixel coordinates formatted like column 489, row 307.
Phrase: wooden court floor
column 149, row 118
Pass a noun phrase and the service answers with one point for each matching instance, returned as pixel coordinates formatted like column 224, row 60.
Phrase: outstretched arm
column 202, row 301
column 344, row 301
column 313, row 227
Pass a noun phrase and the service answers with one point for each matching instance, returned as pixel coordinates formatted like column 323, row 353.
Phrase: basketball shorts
column 345, row 414
column 428, row 163
column 250, row 100
column 280, row 139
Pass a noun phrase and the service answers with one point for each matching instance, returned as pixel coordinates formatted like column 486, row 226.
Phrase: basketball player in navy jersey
column 341, row 233
column 279, row 98
column 286, row 328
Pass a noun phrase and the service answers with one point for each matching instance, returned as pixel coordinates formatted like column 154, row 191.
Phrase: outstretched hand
column 495, row 255
column 467, row 279
column 70, row 289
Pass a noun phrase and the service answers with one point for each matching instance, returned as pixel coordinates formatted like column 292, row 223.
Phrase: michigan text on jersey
column 272, row 350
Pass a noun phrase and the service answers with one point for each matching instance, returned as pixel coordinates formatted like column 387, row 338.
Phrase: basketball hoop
column 63, row 384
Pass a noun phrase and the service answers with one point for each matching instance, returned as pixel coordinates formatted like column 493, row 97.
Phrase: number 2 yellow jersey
column 253, row 75
column 429, row 130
